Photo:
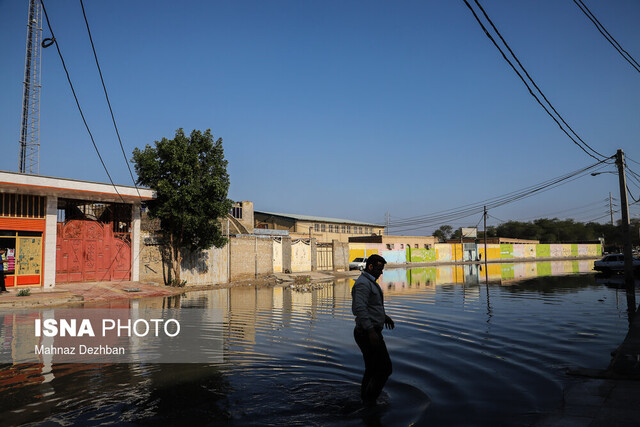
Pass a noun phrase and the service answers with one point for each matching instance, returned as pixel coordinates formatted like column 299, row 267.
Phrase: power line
column 55, row 41
column 581, row 144
column 601, row 217
column 573, row 209
column 627, row 57
column 475, row 208
column 500, row 220
column 630, row 159
column 104, row 87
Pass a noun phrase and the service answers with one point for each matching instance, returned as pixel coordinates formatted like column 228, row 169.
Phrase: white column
column 50, row 242
column 135, row 242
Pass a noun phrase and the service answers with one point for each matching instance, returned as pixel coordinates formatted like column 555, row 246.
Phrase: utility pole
column 486, row 272
column 611, row 207
column 485, row 234
column 386, row 223
column 29, row 157
column 624, row 208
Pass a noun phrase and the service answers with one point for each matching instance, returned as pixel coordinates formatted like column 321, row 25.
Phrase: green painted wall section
column 421, row 255
column 445, row 252
column 422, row 275
column 543, row 250
column 544, row 269
column 506, row 250
column 507, row 271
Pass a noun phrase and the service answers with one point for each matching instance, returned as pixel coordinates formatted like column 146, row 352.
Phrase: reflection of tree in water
column 554, row 284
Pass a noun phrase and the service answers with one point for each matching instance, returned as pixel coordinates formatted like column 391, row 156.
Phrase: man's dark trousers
column 377, row 365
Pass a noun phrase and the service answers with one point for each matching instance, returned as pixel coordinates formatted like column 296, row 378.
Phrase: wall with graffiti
column 451, row 252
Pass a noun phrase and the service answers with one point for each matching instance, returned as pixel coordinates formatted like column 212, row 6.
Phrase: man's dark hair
column 374, row 259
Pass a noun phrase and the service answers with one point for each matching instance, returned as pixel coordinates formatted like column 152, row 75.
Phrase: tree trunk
column 176, row 260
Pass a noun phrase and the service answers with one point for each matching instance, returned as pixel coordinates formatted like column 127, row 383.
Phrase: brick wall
column 203, row 268
column 251, row 256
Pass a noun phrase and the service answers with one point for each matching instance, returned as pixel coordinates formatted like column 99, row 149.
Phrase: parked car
column 358, row 264
column 614, row 262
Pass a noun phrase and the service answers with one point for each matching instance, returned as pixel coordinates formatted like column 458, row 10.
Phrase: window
column 22, row 205
column 416, row 246
column 342, row 228
column 323, row 227
column 330, row 228
column 349, row 229
column 316, row 227
column 389, row 246
column 236, row 211
column 116, row 214
column 359, row 230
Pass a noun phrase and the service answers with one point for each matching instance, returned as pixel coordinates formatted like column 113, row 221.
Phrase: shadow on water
column 464, row 353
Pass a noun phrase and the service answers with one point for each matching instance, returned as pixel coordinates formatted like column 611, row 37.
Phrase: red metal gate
column 89, row 251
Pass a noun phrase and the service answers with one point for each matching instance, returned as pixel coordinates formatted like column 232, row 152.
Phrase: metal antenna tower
column 30, row 129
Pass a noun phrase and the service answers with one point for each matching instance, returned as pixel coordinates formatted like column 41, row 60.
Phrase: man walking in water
column 368, row 307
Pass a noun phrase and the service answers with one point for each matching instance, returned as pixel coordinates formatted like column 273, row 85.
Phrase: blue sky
column 346, row 109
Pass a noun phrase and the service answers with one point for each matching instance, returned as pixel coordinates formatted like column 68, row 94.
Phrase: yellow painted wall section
column 492, row 249
column 494, row 270
column 566, row 250
column 356, row 250
column 529, row 250
column 457, row 250
column 361, row 250
column 593, row 250
column 458, row 274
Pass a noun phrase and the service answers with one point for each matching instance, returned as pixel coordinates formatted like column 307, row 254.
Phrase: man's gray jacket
column 367, row 302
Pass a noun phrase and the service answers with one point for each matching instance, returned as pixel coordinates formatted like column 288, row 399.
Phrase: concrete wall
column 340, row 255
column 205, row 268
column 450, row 252
column 313, row 255
column 152, row 268
column 300, row 256
column 250, row 257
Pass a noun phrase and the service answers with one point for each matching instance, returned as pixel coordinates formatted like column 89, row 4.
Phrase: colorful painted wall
column 505, row 273
column 453, row 252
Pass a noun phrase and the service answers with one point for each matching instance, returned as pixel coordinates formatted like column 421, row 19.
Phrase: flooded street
column 464, row 352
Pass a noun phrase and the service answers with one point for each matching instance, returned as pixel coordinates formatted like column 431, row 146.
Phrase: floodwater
column 464, row 352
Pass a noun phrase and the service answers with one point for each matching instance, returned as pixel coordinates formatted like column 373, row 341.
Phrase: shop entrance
column 24, row 256
column 22, row 225
column 93, row 242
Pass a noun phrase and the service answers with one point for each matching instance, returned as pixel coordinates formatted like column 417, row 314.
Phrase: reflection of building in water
column 404, row 280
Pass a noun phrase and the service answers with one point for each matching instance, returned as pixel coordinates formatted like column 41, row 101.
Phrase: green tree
column 443, row 232
column 189, row 175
